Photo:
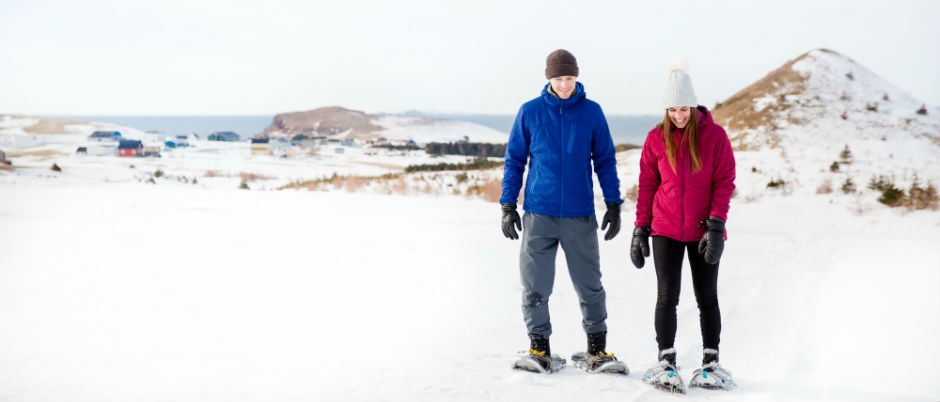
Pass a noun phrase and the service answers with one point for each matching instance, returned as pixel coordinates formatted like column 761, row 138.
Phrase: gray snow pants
column 541, row 236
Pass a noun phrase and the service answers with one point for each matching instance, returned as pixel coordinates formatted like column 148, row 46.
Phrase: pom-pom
column 678, row 64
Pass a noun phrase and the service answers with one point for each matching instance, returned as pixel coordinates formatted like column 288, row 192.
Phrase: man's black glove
column 511, row 221
column 640, row 246
column 612, row 217
column 713, row 242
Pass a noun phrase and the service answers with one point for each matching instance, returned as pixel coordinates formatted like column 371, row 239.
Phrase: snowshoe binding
column 596, row 360
column 539, row 358
column 711, row 375
column 664, row 375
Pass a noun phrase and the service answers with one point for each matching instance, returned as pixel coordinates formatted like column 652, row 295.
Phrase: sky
column 202, row 57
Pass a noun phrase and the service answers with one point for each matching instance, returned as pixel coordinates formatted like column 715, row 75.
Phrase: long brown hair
column 691, row 132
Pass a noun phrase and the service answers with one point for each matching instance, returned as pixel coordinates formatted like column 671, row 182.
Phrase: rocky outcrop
column 324, row 121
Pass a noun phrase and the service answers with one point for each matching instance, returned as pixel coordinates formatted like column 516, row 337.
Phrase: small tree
column 879, row 183
column 834, row 167
column 891, row 196
column 845, row 157
column 923, row 110
column 848, row 186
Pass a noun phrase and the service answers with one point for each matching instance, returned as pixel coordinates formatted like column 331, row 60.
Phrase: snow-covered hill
column 339, row 122
column 792, row 125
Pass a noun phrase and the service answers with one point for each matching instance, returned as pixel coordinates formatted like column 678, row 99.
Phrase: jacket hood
column 704, row 116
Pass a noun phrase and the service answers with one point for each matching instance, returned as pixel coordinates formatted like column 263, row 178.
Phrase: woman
column 685, row 187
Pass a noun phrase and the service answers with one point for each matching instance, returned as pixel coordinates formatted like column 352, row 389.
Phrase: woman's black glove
column 713, row 242
column 640, row 246
column 612, row 217
column 511, row 221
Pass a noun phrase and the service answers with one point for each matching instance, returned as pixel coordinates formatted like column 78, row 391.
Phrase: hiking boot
column 540, row 351
column 596, row 355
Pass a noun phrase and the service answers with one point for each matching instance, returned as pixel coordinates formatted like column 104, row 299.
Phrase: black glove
column 713, row 242
column 511, row 221
column 640, row 246
column 613, row 218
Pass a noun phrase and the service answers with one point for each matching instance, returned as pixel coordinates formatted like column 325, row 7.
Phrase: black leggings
column 667, row 255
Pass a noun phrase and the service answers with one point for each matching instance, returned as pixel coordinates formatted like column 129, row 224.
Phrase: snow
column 113, row 287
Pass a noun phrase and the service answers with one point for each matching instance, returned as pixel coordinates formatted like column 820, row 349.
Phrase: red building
column 130, row 148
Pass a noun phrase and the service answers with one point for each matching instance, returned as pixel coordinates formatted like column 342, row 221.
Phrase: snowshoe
column 664, row 375
column 600, row 363
column 539, row 362
column 712, row 376
column 539, row 358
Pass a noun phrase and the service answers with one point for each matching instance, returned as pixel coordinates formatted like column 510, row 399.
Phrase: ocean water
column 625, row 129
column 244, row 126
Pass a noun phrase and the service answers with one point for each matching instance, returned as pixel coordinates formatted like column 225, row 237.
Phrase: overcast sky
column 193, row 57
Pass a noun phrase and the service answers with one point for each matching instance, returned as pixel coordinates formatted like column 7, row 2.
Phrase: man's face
column 563, row 86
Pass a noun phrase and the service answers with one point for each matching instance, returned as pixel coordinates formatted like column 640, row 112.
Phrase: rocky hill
column 342, row 123
column 823, row 122
column 328, row 121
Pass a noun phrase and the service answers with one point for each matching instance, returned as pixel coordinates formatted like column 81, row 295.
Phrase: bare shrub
column 921, row 197
column 249, row 177
column 825, row 187
column 632, row 193
column 489, row 190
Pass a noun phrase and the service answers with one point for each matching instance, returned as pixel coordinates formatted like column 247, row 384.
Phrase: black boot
column 596, row 353
column 540, row 350
column 597, row 343
column 668, row 356
column 709, row 356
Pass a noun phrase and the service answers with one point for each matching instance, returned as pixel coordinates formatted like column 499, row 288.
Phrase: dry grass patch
column 52, row 125
column 738, row 115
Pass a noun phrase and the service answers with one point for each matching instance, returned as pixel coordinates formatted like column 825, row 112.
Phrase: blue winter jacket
column 560, row 138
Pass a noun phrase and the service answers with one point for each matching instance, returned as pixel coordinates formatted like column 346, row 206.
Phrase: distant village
column 104, row 143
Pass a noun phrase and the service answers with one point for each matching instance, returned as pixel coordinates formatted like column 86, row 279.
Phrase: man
column 558, row 135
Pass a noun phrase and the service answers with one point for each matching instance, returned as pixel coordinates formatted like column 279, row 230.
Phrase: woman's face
column 679, row 115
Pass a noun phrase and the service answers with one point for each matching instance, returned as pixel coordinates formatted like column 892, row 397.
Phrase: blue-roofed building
column 102, row 136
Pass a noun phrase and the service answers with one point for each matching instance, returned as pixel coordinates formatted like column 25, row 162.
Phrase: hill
column 823, row 121
column 342, row 123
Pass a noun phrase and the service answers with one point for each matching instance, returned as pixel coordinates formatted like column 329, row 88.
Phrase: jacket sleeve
column 649, row 181
column 604, row 154
column 722, row 177
column 517, row 153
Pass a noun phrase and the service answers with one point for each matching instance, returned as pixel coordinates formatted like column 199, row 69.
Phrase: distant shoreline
column 625, row 129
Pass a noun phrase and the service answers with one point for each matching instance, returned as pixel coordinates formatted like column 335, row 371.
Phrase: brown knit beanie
column 560, row 63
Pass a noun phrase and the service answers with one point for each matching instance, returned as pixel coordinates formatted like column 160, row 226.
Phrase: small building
column 261, row 146
column 3, row 159
column 101, row 136
column 224, row 136
column 152, row 150
column 130, row 148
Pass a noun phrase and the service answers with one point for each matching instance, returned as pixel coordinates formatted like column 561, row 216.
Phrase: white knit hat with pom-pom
column 679, row 90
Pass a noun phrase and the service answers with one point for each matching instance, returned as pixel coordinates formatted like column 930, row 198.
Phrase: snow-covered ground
column 116, row 288
column 137, row 292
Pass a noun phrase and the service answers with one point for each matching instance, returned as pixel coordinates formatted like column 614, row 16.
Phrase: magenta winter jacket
column 673, row 203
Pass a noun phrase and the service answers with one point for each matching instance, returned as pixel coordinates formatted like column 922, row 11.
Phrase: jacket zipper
column 680, row 171
column 561, row 131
